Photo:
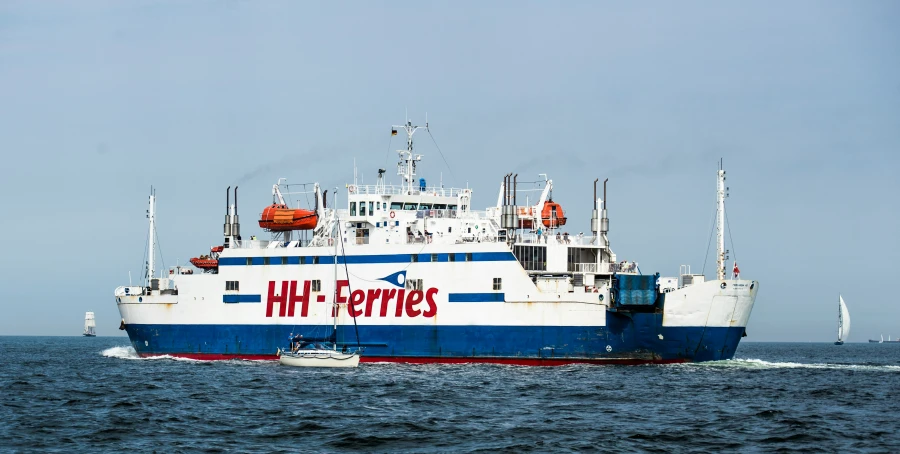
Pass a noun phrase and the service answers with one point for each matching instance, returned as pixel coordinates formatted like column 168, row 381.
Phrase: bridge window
column 362, row 208
column 316, row 286
column 440, row 206
column 352, row 208
column 425, row 206
column 532, row 258
column 396, row 205
column 451, row 207
column 371, row 211
column 498, row 283
column 232, row 286
column 410, row 206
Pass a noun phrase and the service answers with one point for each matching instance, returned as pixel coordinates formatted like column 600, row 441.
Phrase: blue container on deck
column 635, row 290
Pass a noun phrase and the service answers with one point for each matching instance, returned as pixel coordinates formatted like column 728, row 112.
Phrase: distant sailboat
column 843, row 321
column 89, row 325
column 873, row 341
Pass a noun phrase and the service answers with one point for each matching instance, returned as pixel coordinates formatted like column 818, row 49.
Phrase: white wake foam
column 121, row 352
column 127, row 352
column 762, row 364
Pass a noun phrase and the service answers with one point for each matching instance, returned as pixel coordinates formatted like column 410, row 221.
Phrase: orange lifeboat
column 208, row 262
column 280, row 218
column 205, row 263
column 552, row 214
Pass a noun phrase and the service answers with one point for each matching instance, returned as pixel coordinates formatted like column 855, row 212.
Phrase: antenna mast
column 407, row 165
column 720, row 222
column 151, row 215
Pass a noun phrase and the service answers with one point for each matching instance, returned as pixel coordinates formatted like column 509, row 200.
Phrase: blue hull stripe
column 475, row 297
column 365, row 259
column 638, row 336
column 241, row 298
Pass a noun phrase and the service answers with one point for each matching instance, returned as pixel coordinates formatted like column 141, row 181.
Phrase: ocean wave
column 762, row 365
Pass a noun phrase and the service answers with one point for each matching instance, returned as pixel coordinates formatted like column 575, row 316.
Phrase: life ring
column 351, row 188
column 392, row 215
column 723, row 285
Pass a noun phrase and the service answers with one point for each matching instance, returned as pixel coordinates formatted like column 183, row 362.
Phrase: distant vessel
column 843, row 321
column 882, row 341
column 89, row 325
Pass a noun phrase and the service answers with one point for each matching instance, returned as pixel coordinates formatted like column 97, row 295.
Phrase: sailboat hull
column 89, row 335
column 320, row 358
column 839, row 343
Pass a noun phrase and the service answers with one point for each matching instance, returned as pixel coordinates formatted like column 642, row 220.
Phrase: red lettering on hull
column 360, row 303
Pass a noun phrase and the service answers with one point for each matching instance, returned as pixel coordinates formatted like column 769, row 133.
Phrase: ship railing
column 128, row 290
column 621, row 267
column 401, row 190
column 422, row 214
column 268, row 244
column 472, row 238
column 586, row 267
column 577, row 240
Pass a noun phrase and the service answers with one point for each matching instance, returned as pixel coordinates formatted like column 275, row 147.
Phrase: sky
column 101, row 100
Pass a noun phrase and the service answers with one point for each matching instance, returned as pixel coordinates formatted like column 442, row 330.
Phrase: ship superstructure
column 426, row 278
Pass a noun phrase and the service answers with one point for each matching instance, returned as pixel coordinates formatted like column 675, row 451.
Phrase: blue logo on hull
column 398, row 278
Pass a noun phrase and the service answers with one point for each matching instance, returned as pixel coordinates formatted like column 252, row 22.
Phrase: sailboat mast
column 840, row 320
column 336, row 309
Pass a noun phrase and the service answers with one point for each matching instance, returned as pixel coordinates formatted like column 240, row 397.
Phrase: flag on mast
column 737, row 272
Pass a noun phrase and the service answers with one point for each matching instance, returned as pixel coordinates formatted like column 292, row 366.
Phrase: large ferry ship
column 412, row 273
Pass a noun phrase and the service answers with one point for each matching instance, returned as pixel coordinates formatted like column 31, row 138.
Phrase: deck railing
column 400, row 190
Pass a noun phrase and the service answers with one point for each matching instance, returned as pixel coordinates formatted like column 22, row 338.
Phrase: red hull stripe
column 439, row 360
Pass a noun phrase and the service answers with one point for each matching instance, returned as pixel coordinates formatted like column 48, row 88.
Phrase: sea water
column 93, row 394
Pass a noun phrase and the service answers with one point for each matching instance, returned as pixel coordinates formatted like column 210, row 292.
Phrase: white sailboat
column 322, row 352
column 89, row 325
column 843, row 321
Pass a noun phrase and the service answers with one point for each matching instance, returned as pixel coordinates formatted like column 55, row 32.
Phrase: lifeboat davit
column 280, row 218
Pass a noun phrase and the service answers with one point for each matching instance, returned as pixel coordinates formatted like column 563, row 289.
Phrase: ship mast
column 151, row 215
column 720, row 223
column 407, row 165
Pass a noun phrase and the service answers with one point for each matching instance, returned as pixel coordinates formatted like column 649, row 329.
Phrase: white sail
column 89, row 324
column 844, row 328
